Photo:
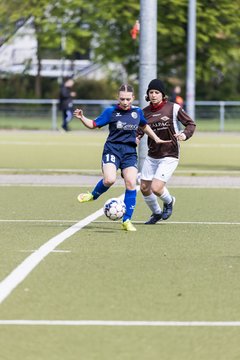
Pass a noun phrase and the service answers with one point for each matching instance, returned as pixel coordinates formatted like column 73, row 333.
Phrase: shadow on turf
column 95, row 227
column 105, row 229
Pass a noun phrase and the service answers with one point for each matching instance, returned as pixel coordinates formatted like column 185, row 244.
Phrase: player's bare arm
column 138, row 139
column 78, row 113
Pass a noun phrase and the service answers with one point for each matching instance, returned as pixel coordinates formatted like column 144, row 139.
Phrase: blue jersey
column 123, row 124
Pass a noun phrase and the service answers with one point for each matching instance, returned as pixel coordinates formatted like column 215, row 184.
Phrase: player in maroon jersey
column 165, row 118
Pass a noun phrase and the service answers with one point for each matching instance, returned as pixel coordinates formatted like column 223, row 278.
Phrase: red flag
column 135, row 30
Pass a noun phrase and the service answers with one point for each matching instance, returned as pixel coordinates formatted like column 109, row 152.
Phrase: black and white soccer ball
column 114, row 209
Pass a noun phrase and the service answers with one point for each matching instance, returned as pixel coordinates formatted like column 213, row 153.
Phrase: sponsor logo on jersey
column 130, row 127
column 163, row 123
column 165, row 118
column 125, row 126
column 119, row 124
column 118, row 114
column 160, row 124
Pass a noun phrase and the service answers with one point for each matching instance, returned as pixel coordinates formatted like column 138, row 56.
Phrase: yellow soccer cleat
column 128, row 226
column 85, row 197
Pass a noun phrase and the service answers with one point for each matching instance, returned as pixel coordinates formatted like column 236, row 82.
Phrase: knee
column 145, row 189
column 109, row 181
column 157, row 190
column 130, row 184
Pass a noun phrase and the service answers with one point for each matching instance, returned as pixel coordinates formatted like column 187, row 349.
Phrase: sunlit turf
column 80, row 152
column 35, row 122
column 184, row 269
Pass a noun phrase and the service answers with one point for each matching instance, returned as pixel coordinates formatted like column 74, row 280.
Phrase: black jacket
column 65, row 98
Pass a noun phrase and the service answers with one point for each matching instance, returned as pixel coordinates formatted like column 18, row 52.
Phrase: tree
column 103, row 28
column 111, row 26
column 52, row 22
column 218, row 40
column 218, row 50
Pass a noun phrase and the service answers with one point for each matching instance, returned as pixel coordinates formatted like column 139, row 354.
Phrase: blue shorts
column 121, row 155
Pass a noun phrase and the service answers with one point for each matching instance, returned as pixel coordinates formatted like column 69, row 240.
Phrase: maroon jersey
column 165, row 121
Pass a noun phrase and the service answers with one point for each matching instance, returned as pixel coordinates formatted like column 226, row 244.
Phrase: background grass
column 184, row 269
column 45, row 123
column 80, row 152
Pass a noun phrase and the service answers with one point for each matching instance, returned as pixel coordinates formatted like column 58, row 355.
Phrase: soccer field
column 75, row 286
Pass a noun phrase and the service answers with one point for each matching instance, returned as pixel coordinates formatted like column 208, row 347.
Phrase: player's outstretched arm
column 78, row 113
column 147, row 130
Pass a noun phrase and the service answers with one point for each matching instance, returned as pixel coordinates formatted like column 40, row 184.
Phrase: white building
column 19, row 55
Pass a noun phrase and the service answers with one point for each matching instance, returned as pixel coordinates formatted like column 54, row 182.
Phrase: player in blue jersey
column 119, row 151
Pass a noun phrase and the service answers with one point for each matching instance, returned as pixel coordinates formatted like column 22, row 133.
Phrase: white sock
column 152, row 203
column 166, row 197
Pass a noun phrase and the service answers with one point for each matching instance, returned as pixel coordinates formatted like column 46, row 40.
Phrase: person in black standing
column 66, row 102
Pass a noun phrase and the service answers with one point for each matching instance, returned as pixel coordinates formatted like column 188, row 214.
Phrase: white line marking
column 180, row 222
column 24, row 171
column 23, row 270
column 53, row 251
column 212, row 145
column 62, row 222
column 51, row 143
column 118, row 323
column 61, row 251
column 207, row 171
column 199, row 222
column 40, row 171
column 39, row 221
column 82, row 185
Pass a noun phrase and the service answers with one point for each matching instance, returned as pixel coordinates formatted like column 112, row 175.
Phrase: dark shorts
column 121, row 155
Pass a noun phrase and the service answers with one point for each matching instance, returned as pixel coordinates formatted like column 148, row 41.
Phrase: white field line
column 8, row 284
column 119, row 323
column 24, row 171
column 50, row 143
column 196, row 222
column 24, row 269
column 224, row 186
column 87, row 185
column 39, row 221
column 31, row 171
column 53, row 251
column 212, row 145
column 55, row 143
column 206, row 171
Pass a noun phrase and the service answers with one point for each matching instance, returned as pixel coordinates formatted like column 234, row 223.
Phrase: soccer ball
column 114, row 209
